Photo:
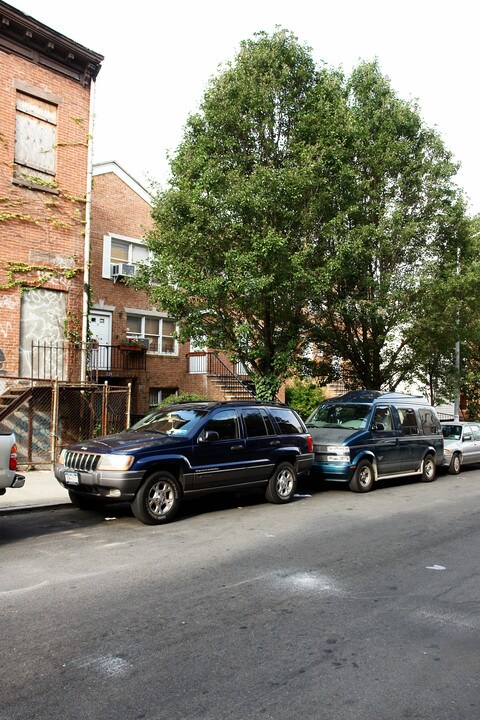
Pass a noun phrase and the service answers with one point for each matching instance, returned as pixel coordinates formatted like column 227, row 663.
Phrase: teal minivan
column 369, row 435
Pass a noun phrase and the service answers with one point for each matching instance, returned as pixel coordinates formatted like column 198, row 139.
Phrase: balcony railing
column 116, row 358
column 61, row 361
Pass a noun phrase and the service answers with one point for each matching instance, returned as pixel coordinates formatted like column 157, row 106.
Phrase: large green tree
column 399, row 217
column 306, row 209
column 231, row 239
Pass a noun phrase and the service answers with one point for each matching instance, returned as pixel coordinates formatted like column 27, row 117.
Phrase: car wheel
column 282, row 485
column 157, row 500
column 363, row 478
column 455, row 464
column 85, row 502
column 429, row 469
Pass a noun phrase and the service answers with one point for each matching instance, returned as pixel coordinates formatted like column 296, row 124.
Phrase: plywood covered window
column 35, row 138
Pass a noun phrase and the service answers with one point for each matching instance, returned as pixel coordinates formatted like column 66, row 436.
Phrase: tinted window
column 225, row 423
column 268, row 422
column 452, row 432
column 429, row 421
column 254, row 423
column 383, row 416
column 287, row 421
column 408, row 421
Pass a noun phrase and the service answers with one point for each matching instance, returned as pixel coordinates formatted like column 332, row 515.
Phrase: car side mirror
column 209, row 436
column 467, row 437
column 378, row 427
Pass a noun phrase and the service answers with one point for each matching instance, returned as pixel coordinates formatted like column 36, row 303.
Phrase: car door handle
column 275, row 442
column 236, row 447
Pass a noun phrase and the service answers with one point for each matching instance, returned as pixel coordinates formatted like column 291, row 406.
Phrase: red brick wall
column 46, row 228
column 118, row 209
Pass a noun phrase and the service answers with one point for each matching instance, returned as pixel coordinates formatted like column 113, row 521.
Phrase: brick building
column 46, row 85
column 136, row 342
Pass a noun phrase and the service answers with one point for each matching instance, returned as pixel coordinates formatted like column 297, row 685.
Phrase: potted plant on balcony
column 132, row 345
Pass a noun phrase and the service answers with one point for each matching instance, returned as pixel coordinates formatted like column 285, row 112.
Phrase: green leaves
column 305, row 209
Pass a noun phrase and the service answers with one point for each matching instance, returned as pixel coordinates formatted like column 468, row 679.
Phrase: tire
column 85, row 502
column 282, row 485
column 157, row 500
column 429, row 469
column 363, row 478
column 455, row 464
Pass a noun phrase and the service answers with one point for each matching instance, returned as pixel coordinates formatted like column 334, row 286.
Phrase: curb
column 19, row 509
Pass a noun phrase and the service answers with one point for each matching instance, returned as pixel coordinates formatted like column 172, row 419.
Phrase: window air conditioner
column 122, row 270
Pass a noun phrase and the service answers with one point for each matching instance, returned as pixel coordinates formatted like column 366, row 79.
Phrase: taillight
column 310, row 443
column 13, row 458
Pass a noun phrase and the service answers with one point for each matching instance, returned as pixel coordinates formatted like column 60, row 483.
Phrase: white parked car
column 461, row 444
column 9, row 477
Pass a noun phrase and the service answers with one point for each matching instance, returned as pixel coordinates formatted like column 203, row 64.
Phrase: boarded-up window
column 35, row 138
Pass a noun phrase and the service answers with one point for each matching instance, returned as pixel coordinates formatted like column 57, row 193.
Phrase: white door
column 100, row 326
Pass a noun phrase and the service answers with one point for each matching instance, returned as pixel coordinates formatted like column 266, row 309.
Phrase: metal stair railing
column 14, row 397
column 231, row 383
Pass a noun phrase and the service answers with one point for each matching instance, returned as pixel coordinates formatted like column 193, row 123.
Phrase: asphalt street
column 337, row 606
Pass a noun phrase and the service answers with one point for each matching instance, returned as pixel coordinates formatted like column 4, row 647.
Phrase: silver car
column 462, row 445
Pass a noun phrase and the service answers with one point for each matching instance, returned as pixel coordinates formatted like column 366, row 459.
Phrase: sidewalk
column 40, row 490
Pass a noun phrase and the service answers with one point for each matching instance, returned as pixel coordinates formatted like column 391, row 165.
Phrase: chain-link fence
column 46, row 416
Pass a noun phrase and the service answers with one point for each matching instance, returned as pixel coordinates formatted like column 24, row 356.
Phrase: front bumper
column 101, row 482
column 336, row 471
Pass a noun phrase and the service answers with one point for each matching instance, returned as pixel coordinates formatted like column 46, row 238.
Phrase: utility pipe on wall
column 86, row 250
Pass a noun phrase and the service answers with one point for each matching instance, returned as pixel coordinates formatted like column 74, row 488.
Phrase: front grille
column 81, row 461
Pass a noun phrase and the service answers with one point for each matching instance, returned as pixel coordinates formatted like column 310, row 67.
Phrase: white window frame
column 107, row 251
column 143, row 315
column 160, row 393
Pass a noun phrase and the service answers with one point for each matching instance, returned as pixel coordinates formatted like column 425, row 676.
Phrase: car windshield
column 178, row 421
column 346, row 415
column 452, row 432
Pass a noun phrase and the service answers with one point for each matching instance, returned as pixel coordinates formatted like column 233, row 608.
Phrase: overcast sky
column 159, row 57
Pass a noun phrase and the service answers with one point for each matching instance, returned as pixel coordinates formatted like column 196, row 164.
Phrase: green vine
column 21, row 269
column 38, row 180
column 17, row 216
column 72, row 329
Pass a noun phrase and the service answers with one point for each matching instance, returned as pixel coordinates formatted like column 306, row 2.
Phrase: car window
column 225, row 423
column 383, row 416
column 408, row 421
column 467, row 433
column 172, row 421
column 287, row 421
column 268, row 422
column 452, row 432
column 430, row 423
column 254, row 422
column 348, row 415
column 476, row 432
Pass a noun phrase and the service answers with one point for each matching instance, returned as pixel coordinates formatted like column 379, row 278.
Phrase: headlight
column 447, row 452
column 61, row 459
column 115, row 462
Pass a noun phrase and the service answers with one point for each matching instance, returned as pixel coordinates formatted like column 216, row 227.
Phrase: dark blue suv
column 189, row 449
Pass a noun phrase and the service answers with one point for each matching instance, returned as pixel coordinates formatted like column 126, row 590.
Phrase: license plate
column 72, row 478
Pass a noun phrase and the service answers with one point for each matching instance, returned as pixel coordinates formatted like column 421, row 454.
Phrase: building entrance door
column 100, row 326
